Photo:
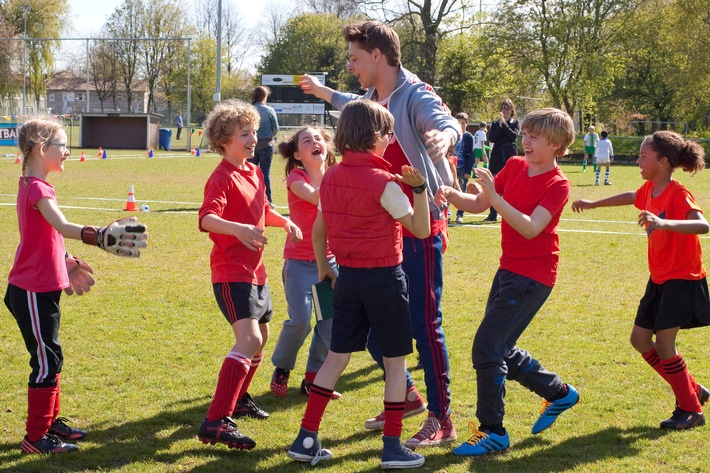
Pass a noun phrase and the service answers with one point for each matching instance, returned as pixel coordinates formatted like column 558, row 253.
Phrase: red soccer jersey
column 538, row 257
column 39, row 261
column 671, row 255
column 237, row 195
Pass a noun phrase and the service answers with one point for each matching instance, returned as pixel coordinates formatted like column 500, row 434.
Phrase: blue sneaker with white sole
column 483, row 443
column 397, row 456
column 307, row 448
column 552, row 409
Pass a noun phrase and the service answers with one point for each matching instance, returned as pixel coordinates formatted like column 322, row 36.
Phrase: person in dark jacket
column 503, row 134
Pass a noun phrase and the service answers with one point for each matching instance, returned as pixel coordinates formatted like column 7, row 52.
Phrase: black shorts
column 242, row 300
column 371, row 302
column 37, row 315
column 676, row 303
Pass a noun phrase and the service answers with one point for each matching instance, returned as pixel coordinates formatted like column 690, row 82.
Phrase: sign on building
column 8, row 134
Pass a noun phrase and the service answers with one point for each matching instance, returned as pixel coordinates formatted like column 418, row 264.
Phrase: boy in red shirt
column 235, row 211
column 530, row 193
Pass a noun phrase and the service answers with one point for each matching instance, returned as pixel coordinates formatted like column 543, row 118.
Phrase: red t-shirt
column 671, row 255
column 237, row 195
column 39, row 261
column 302, row 213
column 396, row 157
column 538, row 257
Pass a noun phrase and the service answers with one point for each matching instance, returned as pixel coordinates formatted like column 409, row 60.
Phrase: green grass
column 143, row 348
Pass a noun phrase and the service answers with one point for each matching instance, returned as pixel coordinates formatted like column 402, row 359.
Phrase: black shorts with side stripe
column 241, row 300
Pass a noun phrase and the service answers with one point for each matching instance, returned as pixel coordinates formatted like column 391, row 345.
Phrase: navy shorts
column 675, row 303
column 242, row 300
column 371, row 302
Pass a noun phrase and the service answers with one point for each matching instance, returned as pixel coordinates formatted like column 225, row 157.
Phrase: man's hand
column 437, row 144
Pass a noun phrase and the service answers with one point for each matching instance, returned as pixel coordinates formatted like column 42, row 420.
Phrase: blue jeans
column 423, row 266
column 262, row 158
column 297, row 278
column 513, row 302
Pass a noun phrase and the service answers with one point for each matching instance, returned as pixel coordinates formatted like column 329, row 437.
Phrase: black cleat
column 247, row 407
column 683, row 420
column 224, row 431
column 47, row 444
column 60, row 428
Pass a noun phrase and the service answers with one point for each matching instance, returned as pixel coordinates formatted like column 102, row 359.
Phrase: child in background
column 479, row 145
column 677, row 292
column 361, row 213
column 605, row 155
column 530, row 193
column 235, row 211
column 590, row 148
column 464, row 158
column 308, row 153
column 42, row 269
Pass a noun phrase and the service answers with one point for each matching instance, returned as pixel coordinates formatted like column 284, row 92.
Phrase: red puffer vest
column 361, row 233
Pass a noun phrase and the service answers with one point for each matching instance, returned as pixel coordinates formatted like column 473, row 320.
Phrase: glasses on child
column 388, row 135
column 62, row 146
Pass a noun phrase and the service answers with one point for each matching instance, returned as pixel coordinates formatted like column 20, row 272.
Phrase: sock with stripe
column 394, row 411
column 317, row 402
column 231, row 377
column 255, row 363
column 606, row 175
column 680, row 380
column 596, row 180
column 40, row 409
column 651, row 357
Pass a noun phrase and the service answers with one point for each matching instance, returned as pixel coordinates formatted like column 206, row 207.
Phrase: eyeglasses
column 61, row 146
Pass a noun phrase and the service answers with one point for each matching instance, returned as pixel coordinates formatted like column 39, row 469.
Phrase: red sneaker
column 279, row 382
column 414, row 404
column 433, row 432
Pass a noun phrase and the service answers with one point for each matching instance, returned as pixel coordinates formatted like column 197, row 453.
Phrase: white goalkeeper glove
column 124, row 237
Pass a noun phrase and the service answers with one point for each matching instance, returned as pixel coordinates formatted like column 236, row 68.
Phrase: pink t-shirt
column 39, row 261
column 303, row 214
column 237, row 195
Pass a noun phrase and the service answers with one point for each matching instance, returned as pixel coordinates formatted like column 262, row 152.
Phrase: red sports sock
column 234, row 369
column 394, row 411
column 40, row 408
column 57, row 404
column 317, row 402
column 311, row 376
column 255, row 363
column 652, row 358
column 679, row 379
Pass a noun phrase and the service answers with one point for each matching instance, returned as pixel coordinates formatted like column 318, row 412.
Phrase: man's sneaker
column 596, row 183
column 307, row 448
column 482, row 443
column 306, row 389
column 413, row 404
column 683, row 420
column 224, row 431
column 47, row 444
column 607, row 183
column 247, row 407
column 397, row 456
column 60, row 428
column 433, row 432
column 551, row 409
column 703, row 394
column 459, row 219
column 279, row 382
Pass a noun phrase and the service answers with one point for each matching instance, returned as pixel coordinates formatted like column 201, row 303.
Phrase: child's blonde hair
column 553, row 124
column 360, row 123
column 224, row 118
column 38, row 130
column 288, row 148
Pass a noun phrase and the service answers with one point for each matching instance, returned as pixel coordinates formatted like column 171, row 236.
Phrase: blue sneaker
column 550, row 410
column 397, row 456
column 482, row 443
column 307, row 448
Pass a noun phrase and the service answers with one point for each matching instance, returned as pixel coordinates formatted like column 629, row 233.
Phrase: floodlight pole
column 88, row 77
column 189, row 100
column 218, row 89
column 24, row 62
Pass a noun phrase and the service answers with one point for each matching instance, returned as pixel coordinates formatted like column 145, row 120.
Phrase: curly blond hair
column 224, row 118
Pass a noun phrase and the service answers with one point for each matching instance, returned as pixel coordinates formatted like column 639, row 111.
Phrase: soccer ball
column 145, row 208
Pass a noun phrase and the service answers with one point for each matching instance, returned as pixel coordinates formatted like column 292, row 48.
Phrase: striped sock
column 317, row 402
column 651, row 357
column 679, row 379
column 234, row 369
column 255, row 363
column 394, row 411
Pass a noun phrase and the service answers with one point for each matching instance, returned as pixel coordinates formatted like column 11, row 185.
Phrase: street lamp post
column 24, row 61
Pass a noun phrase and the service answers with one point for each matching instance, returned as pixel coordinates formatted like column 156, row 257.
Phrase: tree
column 343, row 9
column 102, row 70
column 11, row 50
column 126, row 22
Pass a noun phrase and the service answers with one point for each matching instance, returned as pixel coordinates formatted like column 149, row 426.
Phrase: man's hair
column 553, row 124
column 360, row 123
column 260, row 93
column 462, row 116
column 370, row 35
column 225, row 118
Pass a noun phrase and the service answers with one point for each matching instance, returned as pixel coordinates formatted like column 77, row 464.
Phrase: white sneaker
column 459, row 219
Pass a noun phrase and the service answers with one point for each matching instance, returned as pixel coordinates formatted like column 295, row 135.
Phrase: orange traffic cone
column 17, row 158
column 193, row 151
column 150, row 152
column 131, row 202
column 101, row 152
column 83, row 157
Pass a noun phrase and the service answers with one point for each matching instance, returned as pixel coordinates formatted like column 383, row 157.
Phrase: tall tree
column 102, row 70
column 237, row 43
column 126, row 25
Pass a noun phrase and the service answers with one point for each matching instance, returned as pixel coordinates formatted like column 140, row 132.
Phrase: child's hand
column 250, row 236
column 486, row 183
column 442, row 195
column 473, row 188
column 651, row 221
column 327, row 273
column 80, row 279
column 410, row 176
column 579, row 205
column 293, row 231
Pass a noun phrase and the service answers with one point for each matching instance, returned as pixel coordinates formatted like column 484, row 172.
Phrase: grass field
column 143, row 348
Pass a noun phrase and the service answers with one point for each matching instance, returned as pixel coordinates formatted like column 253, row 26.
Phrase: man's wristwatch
column 419, row 189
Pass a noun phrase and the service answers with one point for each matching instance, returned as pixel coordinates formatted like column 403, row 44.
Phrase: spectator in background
column 179, row 125
column 503, row 134
column 268, row 127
